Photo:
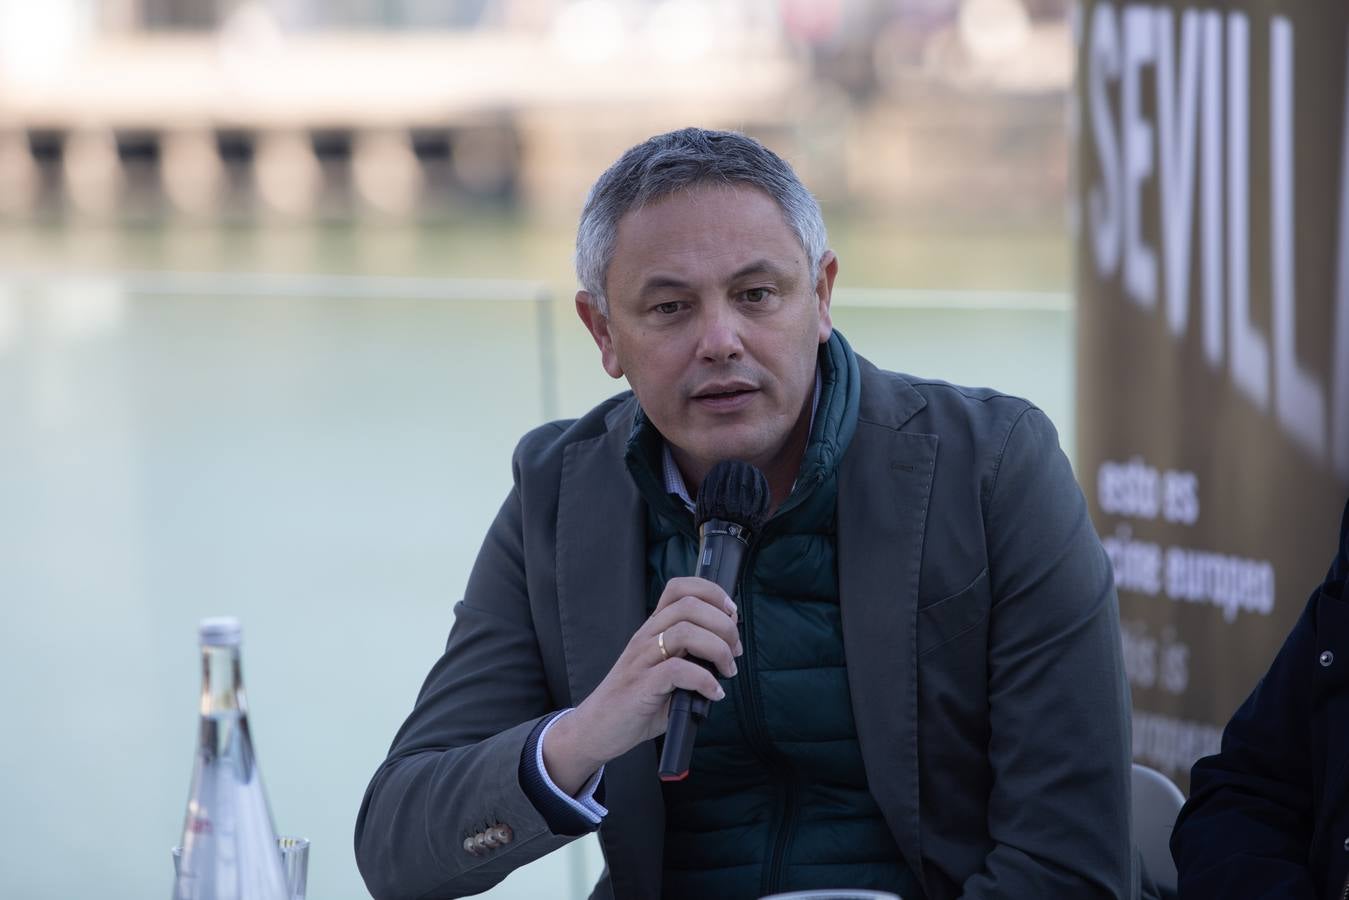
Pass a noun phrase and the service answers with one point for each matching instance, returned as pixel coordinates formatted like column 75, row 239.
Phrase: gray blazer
column 980, row 626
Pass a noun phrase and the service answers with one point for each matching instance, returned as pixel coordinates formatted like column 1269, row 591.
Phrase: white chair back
column 1156, row 803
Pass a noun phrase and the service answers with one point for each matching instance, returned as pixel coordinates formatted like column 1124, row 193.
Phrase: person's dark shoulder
column 540, row 451
column 978, row 416
column 1339, row 569
column 981, row 433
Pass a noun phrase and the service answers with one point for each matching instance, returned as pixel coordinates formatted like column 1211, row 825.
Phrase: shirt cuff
column 564, row 813
column 584, row 802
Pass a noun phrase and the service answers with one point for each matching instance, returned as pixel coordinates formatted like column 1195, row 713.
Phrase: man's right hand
column 632, row 703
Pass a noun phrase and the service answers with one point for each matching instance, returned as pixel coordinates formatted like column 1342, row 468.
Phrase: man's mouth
column 725, row 397
column 720, row 390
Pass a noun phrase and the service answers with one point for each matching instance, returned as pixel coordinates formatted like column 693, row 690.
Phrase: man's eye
column 668, row 308
column 756, row 295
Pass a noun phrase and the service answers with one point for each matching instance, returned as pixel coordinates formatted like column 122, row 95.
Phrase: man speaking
column 918, row 687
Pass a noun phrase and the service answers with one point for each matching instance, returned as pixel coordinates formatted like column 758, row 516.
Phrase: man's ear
column 598, row 326
column 824, row 292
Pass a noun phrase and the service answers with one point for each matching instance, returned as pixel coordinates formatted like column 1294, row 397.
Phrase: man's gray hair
column 666, row 163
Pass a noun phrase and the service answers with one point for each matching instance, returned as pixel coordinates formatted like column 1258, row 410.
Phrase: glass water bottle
column 229, row 844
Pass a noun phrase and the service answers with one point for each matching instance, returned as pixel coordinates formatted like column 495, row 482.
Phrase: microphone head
column 736, row 492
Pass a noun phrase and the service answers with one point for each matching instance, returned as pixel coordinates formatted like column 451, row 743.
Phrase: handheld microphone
column 732, row 506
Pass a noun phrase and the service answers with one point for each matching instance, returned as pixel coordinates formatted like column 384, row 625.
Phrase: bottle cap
column 220, row 631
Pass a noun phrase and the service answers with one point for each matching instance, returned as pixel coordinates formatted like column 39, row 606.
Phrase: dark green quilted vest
column 777, row 797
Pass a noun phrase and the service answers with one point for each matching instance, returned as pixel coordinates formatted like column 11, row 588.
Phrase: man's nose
column 719, row 338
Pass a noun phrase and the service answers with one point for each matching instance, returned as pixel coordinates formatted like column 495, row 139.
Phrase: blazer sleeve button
column 470, row 846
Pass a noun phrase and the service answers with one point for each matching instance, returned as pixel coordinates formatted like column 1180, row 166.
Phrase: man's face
column 715, row 321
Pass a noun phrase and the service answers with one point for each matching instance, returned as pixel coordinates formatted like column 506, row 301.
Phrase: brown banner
column 1211, row 215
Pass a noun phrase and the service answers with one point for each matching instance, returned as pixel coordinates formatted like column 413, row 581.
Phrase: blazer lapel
column 601, row 580
column 884, row 484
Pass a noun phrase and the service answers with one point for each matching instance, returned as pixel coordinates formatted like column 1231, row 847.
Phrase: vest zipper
column 752, row 703
column 777, row 863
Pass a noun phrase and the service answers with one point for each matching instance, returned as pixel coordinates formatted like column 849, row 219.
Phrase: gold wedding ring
column 660, row 642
